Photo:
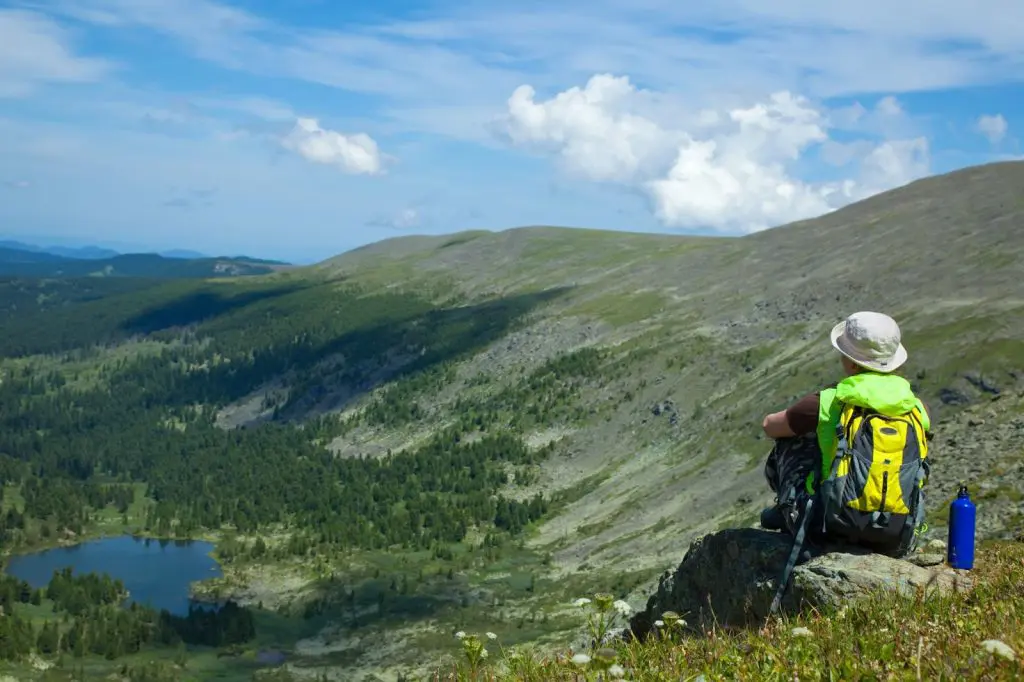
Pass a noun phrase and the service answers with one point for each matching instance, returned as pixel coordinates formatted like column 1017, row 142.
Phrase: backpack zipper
column 885, row 486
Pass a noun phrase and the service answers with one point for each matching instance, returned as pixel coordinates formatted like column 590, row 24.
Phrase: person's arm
column 776, row 425
column 799, row 418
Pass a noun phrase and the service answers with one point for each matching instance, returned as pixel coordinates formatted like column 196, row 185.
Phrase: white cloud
column 592, row 129
column 34, row 49
column 357, row 154
column 406, row 219
column 18, row 184
column 733, row 173
column 992, row 127
column 889, row 106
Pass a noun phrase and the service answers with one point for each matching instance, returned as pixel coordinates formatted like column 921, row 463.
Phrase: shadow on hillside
column 344, row 610
column 381, row 338
column 199, row 306
column 382, row 353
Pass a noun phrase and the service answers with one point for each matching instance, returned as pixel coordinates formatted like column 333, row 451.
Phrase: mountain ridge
column 91, row 252
column 29, row 263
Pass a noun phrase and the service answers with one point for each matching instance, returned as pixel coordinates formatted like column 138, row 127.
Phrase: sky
column 301, row 129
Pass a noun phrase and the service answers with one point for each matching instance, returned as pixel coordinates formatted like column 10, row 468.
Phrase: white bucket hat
column 872, row 340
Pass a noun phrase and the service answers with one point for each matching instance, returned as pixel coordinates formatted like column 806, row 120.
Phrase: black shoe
column 772, row 519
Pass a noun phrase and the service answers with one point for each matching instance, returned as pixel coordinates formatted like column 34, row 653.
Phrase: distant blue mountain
column 183, row 254
column 26, row 260
column 98, row 253
column 83, row 253
column 77, row 253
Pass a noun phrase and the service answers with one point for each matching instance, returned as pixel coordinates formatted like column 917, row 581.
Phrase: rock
column 729, row 577
column 979, row 383
column 952, row 396
column 927, row 559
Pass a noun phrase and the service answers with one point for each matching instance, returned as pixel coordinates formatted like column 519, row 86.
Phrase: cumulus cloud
column 731, row 170
column 889, row 106
column 992, row 127
column 34, row 49
column 356, row 154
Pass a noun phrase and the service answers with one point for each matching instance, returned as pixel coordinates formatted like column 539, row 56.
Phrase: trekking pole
column 794, row 555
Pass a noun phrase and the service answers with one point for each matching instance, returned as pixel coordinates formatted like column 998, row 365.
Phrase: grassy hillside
column 972, row 636
column 440, row 433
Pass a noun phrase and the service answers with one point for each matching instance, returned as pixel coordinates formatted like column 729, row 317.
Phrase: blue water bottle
column 960, row 548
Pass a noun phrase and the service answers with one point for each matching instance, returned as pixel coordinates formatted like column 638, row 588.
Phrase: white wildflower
column 581, row 602
column 460, row 635
column 622, row 607
column 581, row 659
column 659, row 623
column 801, row 632
column 617, row 672
column 483, row 653
column 491, row 635
column 995, row 646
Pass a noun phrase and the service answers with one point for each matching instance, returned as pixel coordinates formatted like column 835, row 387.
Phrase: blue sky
column 300, row 129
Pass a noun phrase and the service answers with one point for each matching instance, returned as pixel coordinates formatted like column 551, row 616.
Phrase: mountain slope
column 731, row 329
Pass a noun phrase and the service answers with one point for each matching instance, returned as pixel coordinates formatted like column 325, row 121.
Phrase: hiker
column 873, row 420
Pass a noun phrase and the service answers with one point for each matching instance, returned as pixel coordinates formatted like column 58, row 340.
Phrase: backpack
column 873, row 495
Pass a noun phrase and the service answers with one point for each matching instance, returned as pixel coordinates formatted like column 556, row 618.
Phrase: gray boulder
column 729, row 578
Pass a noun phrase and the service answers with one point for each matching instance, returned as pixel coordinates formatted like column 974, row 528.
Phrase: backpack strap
column 799, row 540
column 794, row 556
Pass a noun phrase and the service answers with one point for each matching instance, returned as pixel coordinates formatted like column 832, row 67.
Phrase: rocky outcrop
column 729, row 578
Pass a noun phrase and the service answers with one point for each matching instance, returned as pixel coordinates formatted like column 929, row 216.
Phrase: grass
column 880, row 637
column 621, row 309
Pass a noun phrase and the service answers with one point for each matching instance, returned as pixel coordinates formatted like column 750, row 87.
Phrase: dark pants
column 786, row 470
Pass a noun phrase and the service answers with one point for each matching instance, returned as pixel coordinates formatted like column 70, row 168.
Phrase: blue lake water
column 155, row 572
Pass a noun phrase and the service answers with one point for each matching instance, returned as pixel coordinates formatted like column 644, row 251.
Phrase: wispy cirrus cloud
column 34, row 50
column 821, row 50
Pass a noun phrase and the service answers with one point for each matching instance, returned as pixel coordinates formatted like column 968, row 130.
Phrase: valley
column 469, row 431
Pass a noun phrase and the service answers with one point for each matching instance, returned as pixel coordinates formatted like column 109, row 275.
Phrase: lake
column 155, row 572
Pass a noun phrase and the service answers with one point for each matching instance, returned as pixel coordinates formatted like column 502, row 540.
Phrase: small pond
column 155, row 572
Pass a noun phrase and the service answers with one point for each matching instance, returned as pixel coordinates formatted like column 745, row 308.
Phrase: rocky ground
column 729, row 579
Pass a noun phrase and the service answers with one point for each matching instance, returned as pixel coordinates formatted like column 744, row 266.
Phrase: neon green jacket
column 886, row 393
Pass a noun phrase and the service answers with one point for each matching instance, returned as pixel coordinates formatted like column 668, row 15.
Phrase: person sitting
column 878, row 501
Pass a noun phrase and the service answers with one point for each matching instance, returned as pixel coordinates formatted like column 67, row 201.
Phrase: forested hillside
column 475, row 429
